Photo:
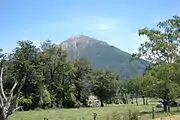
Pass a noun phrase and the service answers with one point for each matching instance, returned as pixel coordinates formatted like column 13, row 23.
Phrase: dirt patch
column 170, row 118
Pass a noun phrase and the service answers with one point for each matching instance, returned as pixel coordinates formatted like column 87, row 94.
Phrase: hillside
column 103, row 55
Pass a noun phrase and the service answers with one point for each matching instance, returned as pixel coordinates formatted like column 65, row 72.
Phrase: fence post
column 178, row 107
column 153, row 113
column 95, row 115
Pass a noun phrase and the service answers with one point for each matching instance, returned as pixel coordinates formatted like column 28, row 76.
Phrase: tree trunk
column 168, row 108
column 5, row 119
column 132, row 100
column 102, row 105
column 2, row 116
column 165, row 107
column 165, row 104
column 126, row 98
column 110, row 101
column 143, row 97
column 136, row 100
column 146, row 100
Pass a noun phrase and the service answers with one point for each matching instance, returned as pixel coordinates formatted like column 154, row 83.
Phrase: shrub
column 133, row 115
column 114, row 116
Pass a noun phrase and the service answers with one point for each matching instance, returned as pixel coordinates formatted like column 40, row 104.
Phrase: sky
column 114, row 21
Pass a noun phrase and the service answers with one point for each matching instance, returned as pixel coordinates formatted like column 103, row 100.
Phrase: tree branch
column 11, row 93
column 1, row 84
column 13, row 104
column 17, row 108
column 2, row 102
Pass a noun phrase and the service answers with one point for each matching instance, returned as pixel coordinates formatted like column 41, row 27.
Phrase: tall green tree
column 55, row 69
column 81, row 73
column 163, row 43
column 124, row 90
column 23, row 62
column 9, row 102
column 135, row 87
column 162, row 47
column 104, row 85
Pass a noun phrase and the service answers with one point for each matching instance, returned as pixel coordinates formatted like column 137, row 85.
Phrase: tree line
column 52, row 80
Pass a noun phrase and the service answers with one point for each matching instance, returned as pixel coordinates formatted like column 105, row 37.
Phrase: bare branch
column 11, row 93
column 2, row 101
column 13, row 104
column 14, row 86
column 20, row 87
column 1, row 84
column 17, row 108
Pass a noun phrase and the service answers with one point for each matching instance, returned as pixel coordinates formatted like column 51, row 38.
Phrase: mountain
column 103, row 55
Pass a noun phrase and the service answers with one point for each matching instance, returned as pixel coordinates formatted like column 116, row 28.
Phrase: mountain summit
column 81, row 38
column 103, row 55
column 79, row 42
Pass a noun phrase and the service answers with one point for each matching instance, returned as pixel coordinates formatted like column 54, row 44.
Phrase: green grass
column 87, row 113
column 73, row 114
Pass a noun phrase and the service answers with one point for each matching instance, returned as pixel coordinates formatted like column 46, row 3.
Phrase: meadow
column 87, row 113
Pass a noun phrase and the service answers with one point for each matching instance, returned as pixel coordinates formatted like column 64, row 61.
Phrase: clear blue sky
column 114, row 21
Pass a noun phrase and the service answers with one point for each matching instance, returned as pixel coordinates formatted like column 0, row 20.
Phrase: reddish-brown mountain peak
column 78, row 42
column 80, row 38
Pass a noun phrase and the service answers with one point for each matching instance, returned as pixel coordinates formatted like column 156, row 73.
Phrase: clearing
column 87, row 113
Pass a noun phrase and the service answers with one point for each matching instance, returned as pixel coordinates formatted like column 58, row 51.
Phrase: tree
column 167, row 87
column 162, row 44
column 104, row 85
column 8, row 105
column 147, row 88
column 81, row 73
column 124, row 90
column 135, row 87
column 54, row 69
column 23, row 62
column 162, row 48
column 121, row 91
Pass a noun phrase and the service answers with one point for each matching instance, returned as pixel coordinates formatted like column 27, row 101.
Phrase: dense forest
column 48, row 80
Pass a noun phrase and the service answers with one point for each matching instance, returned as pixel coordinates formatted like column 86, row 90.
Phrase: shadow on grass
column 160, row 111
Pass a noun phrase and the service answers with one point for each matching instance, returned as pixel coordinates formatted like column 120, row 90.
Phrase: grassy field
column 87, row 113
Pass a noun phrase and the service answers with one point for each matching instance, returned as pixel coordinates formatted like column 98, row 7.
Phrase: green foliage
column 104, row 85
column 45, row 96
column 130, row 115
column 162, row 49
column 51, row 80
column 133, row 115
column 25, row 101
column 81, row 73
column 163, row 43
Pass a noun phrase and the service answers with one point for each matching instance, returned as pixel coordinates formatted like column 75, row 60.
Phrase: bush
column 114, row 116
column 133, row 115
